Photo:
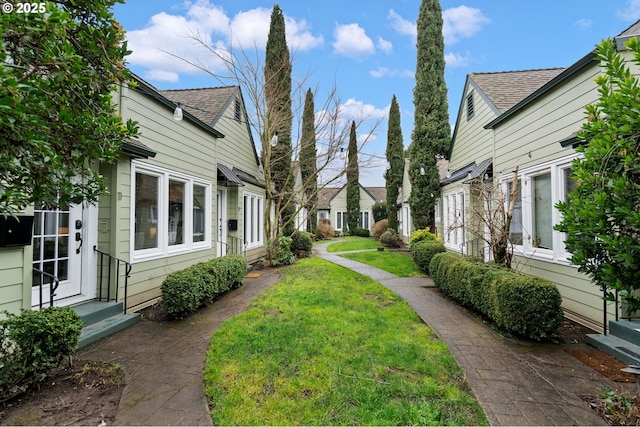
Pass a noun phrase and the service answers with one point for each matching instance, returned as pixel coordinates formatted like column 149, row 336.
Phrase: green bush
column 184, row 291
column 301, row 243
column 524, row 305
column 391, row 239
column 422, row 235
column 423, row 251
column 283, row 255
column 33, row 343
column 361, row 232
column 379, row 210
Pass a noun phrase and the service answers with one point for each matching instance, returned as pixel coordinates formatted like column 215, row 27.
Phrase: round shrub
column 361, row 232
column 32, row 344
column 422, row 235
column 301, row 243
column 379, row 228
column 391, row 239
column 184, row 291
column 423, row 252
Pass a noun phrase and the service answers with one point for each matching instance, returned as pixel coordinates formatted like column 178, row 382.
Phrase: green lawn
column 393, row 262
column 327, row 346
column 353, row 243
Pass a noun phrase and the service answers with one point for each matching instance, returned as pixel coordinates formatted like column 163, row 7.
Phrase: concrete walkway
column 516, row 382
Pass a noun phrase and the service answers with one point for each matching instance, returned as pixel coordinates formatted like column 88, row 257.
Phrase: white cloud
column 352, row 41
column 461, row 22
column 209, row 22
column 163, row 76
column 384, row 71
column 457, row 59
column 631, row 11
column 583, row 23
column 359, row 111
column 384, row 45
column 401, row 25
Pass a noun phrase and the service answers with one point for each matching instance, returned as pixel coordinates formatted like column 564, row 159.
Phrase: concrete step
column 626, row 329
column 623, row 350
column 94, row 311
column 106, row 327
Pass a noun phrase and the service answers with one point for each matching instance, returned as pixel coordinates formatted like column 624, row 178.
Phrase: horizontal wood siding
column 472, row 142
column 181, row 147
column 533, row 136
column 13, row 267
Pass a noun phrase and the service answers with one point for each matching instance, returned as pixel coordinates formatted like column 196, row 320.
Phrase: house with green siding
column 524, row 121
column 332, row 205
column 183, row 192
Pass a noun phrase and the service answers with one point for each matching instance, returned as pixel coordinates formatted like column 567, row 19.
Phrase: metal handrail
column 238, row 245
column 55, row 282
column 127, row 274
column 604, row 309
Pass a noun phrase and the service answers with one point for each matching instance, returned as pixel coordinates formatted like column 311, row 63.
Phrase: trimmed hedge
column 184, row 291
column 421, row 236
column 32, row 344
column 525, row 305
column 423, row 251
column 361, row 232
column 301, row 243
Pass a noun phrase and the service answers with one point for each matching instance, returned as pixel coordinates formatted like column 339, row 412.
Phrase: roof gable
column 204, row 103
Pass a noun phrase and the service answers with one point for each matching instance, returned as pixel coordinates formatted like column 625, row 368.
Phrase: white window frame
column 454, row 214
column 341, row 220
column 556, row 169
column 163, row 249
column 253, row 219
column 364, row 219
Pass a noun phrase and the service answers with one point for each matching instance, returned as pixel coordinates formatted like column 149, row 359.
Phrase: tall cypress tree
column 395, row 157
column 353, row 185
column 431, row 131
column 308, row 166
column 279, row 118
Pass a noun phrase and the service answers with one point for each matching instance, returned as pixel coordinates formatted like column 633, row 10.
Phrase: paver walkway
column 516, row 382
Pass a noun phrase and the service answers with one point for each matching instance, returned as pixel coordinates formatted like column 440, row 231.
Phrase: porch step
column 625, row 351
column 102, row 319
column 626, row 329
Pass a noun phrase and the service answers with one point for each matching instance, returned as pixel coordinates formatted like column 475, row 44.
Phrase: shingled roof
column 204, row 103
column 505, row 89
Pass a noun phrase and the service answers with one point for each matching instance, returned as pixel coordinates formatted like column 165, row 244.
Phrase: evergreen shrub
column 423, row 251
column 361, row 232
column 186, row 290
column 301, row 244
column 525, row 305
column 422, row 235
column 391, row 239
column 32, row 344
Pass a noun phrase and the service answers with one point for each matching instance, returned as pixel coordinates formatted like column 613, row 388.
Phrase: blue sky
column 366, row 48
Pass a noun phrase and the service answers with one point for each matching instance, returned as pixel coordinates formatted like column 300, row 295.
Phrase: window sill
column 137, row 258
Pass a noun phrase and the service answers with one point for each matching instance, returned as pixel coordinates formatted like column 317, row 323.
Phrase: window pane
column 176, row 212
column 569, row 183
column 542, row 208
column 515, row 229
column 199, row 210
column 146, row 214
column 50, row 222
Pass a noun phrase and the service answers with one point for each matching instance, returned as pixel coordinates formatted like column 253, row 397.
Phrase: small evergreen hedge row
column 424, row 250
column 32, row 344
column 184, row 291
column 524, row 305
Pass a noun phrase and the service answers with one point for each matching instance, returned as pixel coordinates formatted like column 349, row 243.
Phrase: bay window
column 171, row 212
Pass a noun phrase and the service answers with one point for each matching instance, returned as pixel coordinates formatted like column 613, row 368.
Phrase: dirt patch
column 79, row 393
column 606, row 365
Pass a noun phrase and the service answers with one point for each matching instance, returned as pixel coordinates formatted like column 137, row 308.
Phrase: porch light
column 342, row 154
column 422, row 172
column 274, row 139
column 177, row 113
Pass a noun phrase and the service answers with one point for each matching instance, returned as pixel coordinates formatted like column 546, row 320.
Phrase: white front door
column 62, row 247
column 221, row 208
